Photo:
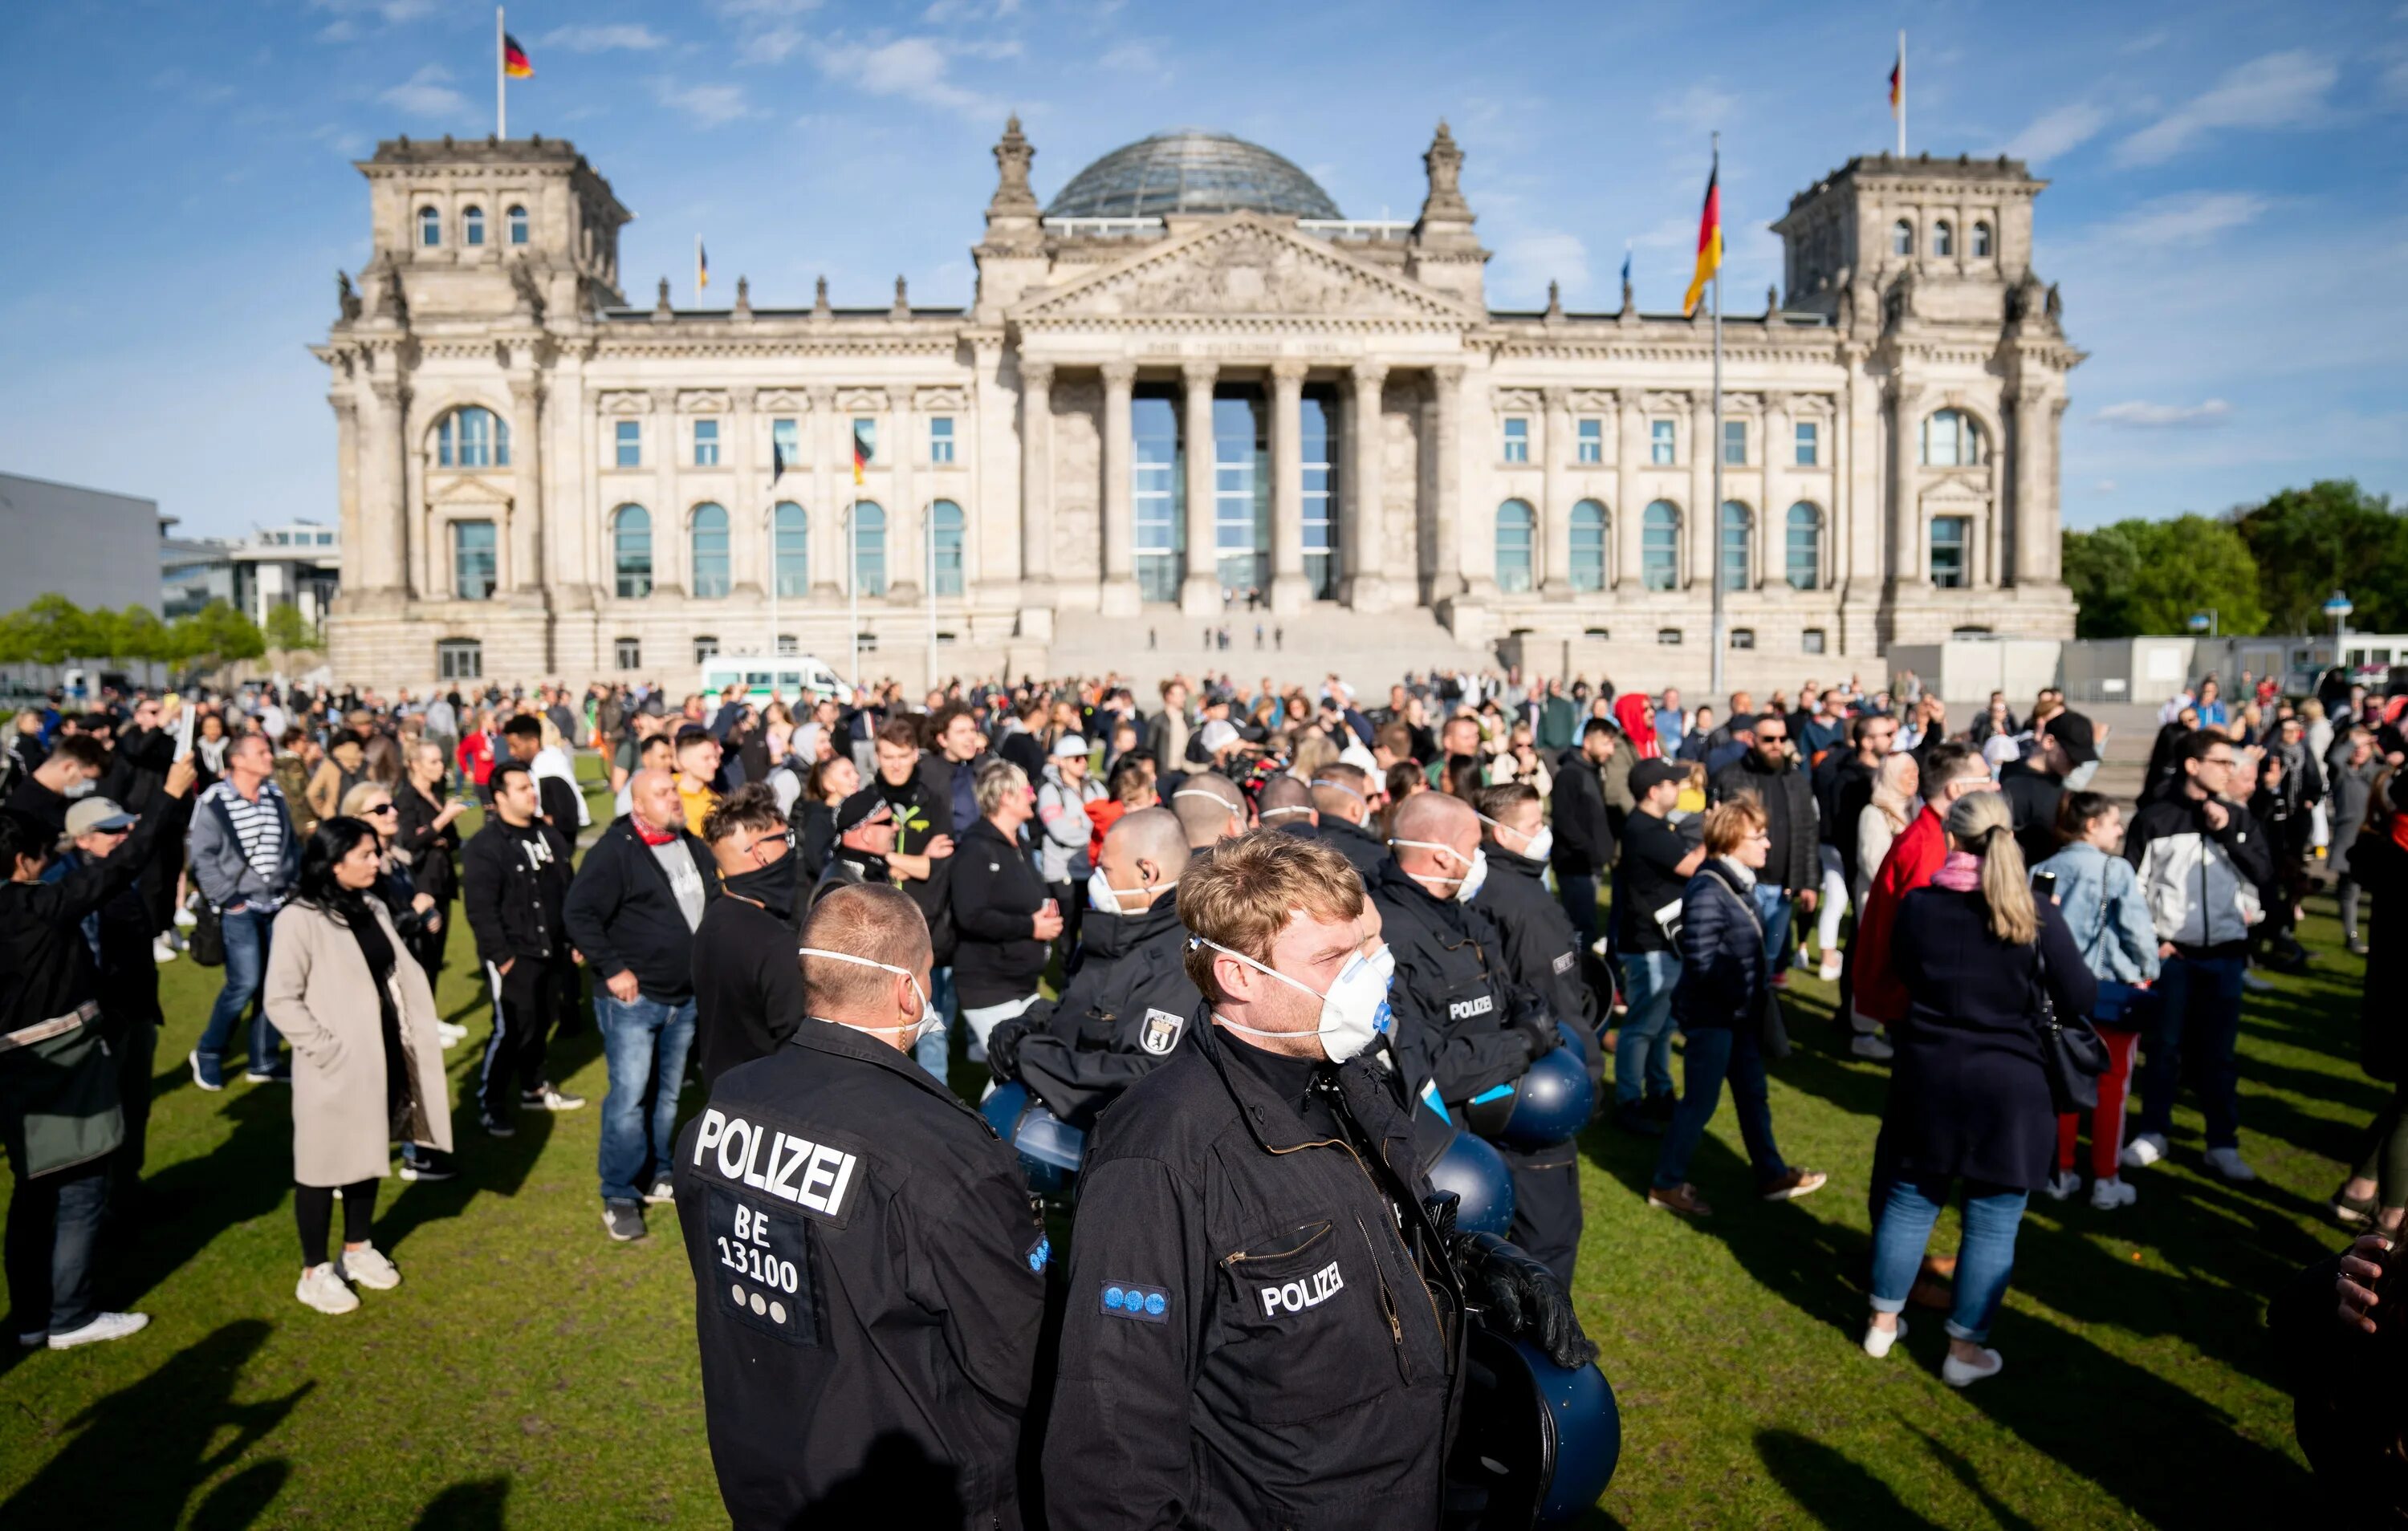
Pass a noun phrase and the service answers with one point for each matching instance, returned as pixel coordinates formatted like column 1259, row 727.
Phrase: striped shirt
column 260, row 826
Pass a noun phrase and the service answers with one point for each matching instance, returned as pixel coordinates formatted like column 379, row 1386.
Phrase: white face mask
column 1106, row 899
column 929, row 1020
column 84, row 788
column 1353, row 1009
column 1324, row 781
column 1466, row 887
column 1535, row 845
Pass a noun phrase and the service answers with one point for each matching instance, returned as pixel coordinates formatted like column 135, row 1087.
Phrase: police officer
column 1542, row 953
column 1343, row 796
column 869, row 1272
column 1129, row 1004
column 1265, row 1307
column 865, row 838
column 1463, row 1023
column 1285, row 804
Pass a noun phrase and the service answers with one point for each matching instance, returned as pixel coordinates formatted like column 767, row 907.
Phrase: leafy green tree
column 2330, row 535
column 138, row 634
column 2153, row 575
column 215, row 635
column 55, row 630
column 288, row 630
column 2099, row 569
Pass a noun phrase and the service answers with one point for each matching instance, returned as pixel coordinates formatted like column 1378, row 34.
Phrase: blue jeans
column 1715, row 1053
column 1986, row 1255
column 644, row 1046
column 1641, row 1059
column 1774, row 910
column 2201, row 999
column 53, row 1222
column 246, row 964
column 934, row 1050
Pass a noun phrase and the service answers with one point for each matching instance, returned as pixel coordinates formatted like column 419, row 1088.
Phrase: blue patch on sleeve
column 1494, row 1092
column 1041, row 1253
column 1130, row 1300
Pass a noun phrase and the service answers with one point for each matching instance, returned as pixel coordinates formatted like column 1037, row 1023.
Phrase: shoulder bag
column 2070, row 1054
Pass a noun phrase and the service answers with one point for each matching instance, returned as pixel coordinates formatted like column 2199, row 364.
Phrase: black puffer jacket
column 1722, row 982
column 995, row 896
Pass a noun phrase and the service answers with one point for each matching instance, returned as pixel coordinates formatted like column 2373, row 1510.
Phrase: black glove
column 1003, row 1049
column 1517, row 1295
column 1531, row 1016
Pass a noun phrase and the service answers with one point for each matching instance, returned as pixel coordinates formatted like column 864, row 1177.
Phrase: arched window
column 1738, row 528
column 1981, row 242
column 1952, row 438
column 1514, row 520
column 473, row 438
column 430, row 227
column 1804, row 548
column 869, row 548
column 707, row 533
column 472, row 226
column 946, row 526
column 1902, row 237
column 1659, row 546
column 518, row 224
column 1944, row 238
column 1588, row 546
column 791, row 533
column 631, row 550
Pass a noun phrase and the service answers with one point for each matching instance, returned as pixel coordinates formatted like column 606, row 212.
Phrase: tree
column 139, row 635
column 2330, row 535
column 55, row 630
column 288, row 630
column 215, row 635
column 2153, row 575
column 2099, row 569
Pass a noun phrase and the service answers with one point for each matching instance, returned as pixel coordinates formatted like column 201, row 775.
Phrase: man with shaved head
column 1345, row 799
column 869, row 1271
column 1285, row 804
column 1128, row 1006
column 1210, row 808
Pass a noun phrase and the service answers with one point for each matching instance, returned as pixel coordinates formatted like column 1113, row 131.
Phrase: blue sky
column 2227, row 219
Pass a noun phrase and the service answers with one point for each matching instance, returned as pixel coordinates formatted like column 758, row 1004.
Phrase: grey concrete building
column 97, row 549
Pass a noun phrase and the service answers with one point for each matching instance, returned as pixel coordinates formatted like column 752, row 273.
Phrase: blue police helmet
column 1548, row 1105
column 1484, row 1187
column 1575, row 1039
column 1050, row 1149
column 1543, row 1440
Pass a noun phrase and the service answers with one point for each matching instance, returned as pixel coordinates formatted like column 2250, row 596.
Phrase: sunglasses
column 382, row 809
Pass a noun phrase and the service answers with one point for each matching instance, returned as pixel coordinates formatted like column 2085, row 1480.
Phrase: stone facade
column 506, row 421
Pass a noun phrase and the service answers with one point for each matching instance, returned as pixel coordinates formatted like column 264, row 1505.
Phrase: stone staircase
column 1368, row 651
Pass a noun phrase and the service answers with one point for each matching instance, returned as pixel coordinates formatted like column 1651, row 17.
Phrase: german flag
column 1709, row 240
column 861, row 453
column 1897, row 79
column 514, row 58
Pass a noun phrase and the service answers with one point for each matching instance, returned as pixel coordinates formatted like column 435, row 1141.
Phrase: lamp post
column 2204, row 622
column 2339, row 608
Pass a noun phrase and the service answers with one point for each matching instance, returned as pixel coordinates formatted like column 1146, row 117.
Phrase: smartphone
column 2045, row 886
column 185, row 718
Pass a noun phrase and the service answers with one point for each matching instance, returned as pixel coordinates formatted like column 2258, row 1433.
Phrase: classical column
column 1772, row 526
column 346, row 474
column 1362, row 537
column 2034, row 531
column 823, row 516
column 1630, row 502
column 526, row 499
column 748, row 538
column 386, row 498
column 1200, row 594
column 1119, row 597
column 670, row 545
column 907, row 553
column 1906, row 511
column 1036, row 484
column 1555, row 516
column 1289, row 590
column 1705, row 516
column 1446, row 453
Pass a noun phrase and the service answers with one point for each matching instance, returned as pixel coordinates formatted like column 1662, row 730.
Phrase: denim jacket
column 2100, row 897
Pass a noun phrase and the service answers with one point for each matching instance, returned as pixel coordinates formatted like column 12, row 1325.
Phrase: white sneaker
column 549, row 1097
column 185, row 918
column 2226, row 1162
column 2112, row 1193
column 103, row 1326
column 2060, row 1185
column 1878, row 1340
column 1829, row 970
column 2255, row 984
column 1957, row 1373
column 450, row 1034
column 1872, row 1045
column 322, row 1288
column 162, row 953
column 368, row 1267
column 2142, row 1152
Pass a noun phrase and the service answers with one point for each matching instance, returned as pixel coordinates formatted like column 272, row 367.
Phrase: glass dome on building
column 1191, row 171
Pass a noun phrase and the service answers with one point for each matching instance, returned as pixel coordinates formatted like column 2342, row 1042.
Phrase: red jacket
column 477, row 756
column 1914, row 860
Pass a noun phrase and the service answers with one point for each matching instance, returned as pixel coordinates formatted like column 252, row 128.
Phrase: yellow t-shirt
column 698, row 804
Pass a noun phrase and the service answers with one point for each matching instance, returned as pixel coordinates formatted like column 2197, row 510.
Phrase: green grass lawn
column 529, row 1372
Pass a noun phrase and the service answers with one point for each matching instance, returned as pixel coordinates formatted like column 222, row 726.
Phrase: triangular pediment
column 1245, row 266
column 465, row 489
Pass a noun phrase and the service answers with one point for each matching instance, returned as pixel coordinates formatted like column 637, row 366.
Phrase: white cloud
column 426, row 95
column 350, row 14
column 1699, row 108
column 2187, row 217
column 603, row 40
column 2279, row 89
column 712, row 105
column 1526, row 263
column 2141, row 415
column 914, row 68
column 772, row 45
column 2104, row 486
column 2054, row 133
column 1137, row 58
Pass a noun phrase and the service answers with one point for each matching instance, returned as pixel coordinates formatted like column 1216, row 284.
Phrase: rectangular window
column 1591, row 442
column 788, row 645
column 1319, row 499
column 460, row 659
column 1157, row 496
column 1669, row 637
column 705, row 649
column 474, row 560
column 1949, row 536
column 865, row 432
column 706, row 443
column 629, row 653
column 1517, row 439
column 1659, row 442
column 1735, row 443
column 787, row 442
column 628, row 440
column 1810, row 444
column 1812, row 640
column 941, row 440
column 1742, row 638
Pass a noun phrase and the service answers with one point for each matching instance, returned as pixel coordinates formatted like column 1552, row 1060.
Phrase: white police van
column 787, row 675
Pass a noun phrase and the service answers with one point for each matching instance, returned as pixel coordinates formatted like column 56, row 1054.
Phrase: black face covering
column 772, row 886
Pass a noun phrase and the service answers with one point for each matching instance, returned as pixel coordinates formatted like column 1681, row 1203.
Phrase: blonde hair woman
column 1892, row 810
column 1969, row 1095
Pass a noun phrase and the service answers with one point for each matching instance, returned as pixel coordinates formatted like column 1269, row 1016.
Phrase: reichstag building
column 1187, row 381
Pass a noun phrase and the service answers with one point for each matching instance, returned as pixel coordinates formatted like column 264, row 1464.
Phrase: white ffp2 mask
column 1353, row 1009
column 929, row 1018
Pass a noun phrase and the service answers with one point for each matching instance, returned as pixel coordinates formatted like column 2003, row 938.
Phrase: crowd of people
column 1275, row 920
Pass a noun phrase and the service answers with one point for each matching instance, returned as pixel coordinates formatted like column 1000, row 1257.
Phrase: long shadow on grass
column 473, row 1506
column 1829, row 1487
column 139, row 1452
column 195, row 1200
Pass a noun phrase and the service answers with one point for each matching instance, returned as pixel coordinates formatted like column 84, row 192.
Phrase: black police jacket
column 868, row 1287
column 1123, row 1012
column 1359, row 845
column 1262, row 1328
column 1451, row 992
column 1541, row 950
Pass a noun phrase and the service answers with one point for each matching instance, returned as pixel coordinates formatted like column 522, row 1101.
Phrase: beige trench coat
column 320, row 995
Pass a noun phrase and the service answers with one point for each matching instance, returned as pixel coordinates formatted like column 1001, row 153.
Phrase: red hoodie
column 1637, row 721
column 1915, row 857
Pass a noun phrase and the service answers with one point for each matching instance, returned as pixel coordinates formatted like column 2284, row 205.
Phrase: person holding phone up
column 1001, row 912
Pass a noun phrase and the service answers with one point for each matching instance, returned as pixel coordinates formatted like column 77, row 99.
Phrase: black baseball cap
column 860, row 809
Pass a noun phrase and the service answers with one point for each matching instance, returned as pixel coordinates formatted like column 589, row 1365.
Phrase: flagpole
column 501, row 79
column 853, row 590
column 773, row 585
column 1901, row 93
column 929, row 531
column 1715, row 446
